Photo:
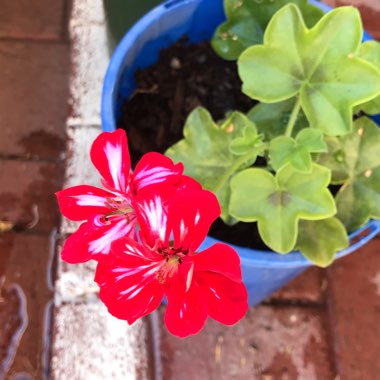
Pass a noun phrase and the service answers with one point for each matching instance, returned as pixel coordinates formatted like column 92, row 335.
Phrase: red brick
column 369, row 10
column 354, row 286
column 25, row 185
column 33, row 98
column 24, row 305
column 37, row 19
column 309, row 287
column 268, row 344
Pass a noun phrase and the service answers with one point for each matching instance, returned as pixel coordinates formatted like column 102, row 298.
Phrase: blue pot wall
column 263, row 272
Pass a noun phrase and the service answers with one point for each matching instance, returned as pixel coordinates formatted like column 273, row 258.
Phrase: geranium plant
column 316, row 85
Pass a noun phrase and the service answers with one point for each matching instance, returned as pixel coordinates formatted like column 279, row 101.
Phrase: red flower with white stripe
column 137, row 275
column 110, row 213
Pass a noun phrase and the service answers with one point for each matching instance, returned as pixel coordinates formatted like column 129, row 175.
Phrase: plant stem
column 236, row 165
column 293, row 117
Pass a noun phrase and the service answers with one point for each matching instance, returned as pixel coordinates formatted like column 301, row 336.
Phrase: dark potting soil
column 185, row 76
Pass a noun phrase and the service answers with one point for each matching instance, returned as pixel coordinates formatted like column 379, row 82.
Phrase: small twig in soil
column 151, row 90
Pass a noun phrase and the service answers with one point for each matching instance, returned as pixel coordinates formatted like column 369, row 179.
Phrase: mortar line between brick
column 18, row 158
column 32, row 233
column 34, row 40
column 330, row 328
column 291, row 303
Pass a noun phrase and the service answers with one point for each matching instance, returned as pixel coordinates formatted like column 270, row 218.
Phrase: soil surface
column 185, row 76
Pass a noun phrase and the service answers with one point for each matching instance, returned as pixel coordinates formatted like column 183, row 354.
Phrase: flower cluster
column 144, row 230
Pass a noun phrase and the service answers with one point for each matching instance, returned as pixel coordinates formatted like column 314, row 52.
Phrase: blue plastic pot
column 263, row 272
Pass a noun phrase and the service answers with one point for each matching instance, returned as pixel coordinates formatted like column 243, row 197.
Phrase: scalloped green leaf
column 318, row 65
column 320, row 240
column 243, row 144
column 278, row 202
column 370, row 51
column 355, row 163
column 205, row 154
column 312, row 139
column 285, row 150
column 296, row 152
column 271, row 119
column 247, row 20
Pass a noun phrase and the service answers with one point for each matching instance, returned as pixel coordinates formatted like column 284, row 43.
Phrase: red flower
column 110, row 214
column 135, row 276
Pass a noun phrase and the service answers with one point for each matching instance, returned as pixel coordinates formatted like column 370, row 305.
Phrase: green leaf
column 205, row 154
column 271, row 119
column 355, row 162
column 247, row 20
column 370, row 51
column 312, row 139
column 320, row 240
column 296, row 152
column 317, row 64
column 278, row 202
column 243, row 144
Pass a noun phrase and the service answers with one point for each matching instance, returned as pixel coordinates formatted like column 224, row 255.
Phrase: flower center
column 173, row 258
column 119, row 206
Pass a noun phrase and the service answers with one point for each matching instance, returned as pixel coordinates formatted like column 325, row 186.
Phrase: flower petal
column 226, row 299
column 83, row 202
column 186, row 312
column 128, row 281
column 94, row 238
column 151, row 211
column 110, row 155
column 217, row 272
column 191, row 215
column 219, row 258
column 155, row 168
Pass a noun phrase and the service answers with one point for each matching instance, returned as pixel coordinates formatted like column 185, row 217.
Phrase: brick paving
column 33, row 98
column 25, row 310
column 34, row 68
column 322, row 325
column 269, row 343
column 36, row 20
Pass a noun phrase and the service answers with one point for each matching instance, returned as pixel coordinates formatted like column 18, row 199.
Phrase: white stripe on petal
column 156, row 216
column 103, row 244
column 115, row 160
column 89, row 200
column 197, row 218
column 125, row 272
column 151, row 176
column 183, row 230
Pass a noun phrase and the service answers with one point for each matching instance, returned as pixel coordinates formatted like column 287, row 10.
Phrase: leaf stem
column 293, row 117
column 236, row 165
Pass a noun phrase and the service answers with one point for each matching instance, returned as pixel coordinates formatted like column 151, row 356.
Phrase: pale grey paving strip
column 89, row 343
column 89, row 61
